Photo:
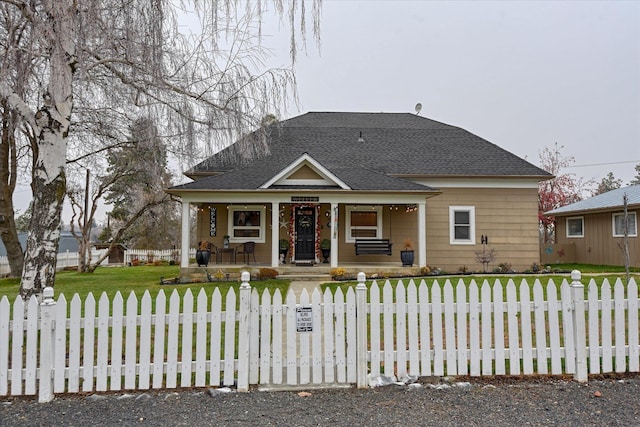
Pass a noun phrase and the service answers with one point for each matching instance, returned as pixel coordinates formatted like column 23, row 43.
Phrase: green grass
column 589, row 268
column 132, row 279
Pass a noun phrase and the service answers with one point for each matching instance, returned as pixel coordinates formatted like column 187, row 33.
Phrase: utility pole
column 625, row 241
column 86, row 235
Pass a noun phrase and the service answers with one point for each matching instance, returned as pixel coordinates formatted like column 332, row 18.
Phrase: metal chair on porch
column 247, row 249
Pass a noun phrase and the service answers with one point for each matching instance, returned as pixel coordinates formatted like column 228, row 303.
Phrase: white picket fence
column 70, row 259
column 449, row 329
column 65, row 259
column 145, row 255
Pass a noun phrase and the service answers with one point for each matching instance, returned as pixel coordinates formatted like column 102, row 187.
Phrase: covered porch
column 288, row 231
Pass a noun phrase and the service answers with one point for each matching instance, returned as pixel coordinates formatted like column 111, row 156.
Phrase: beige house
column 592, row 231
column 366, row 183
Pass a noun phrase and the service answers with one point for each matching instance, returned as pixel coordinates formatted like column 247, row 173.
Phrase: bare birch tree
column 203, row 86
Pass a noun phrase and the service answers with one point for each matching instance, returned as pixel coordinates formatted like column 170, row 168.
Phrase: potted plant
column 283, row 244
column 325, row 247
column 406, row 255
column 203, row 253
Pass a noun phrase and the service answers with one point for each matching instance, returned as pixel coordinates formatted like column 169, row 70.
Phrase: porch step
column 302, row 277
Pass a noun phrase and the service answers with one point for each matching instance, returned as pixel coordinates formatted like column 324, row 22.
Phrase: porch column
column 275, row 234
column 422, row 234
column 184, row 243
column 334, row 235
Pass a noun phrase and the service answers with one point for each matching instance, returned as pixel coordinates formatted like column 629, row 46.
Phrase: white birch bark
column 52, row 127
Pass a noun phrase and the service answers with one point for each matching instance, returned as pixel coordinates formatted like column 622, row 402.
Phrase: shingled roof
column 367, row 151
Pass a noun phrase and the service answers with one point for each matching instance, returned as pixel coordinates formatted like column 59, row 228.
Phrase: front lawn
column 590, row 268
column 132, row 279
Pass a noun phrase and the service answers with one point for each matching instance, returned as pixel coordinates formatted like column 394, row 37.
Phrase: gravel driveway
column 461, row 402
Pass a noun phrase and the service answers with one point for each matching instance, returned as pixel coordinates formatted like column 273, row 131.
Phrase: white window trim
column 574, row 236
column 361, row 208
column 472, row 225
column 613, row 224
column 261, row 227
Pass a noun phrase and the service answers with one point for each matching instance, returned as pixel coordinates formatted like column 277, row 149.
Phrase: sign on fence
column 304, row 319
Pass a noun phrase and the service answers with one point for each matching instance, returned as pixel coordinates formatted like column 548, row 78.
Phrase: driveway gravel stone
column 543, row 401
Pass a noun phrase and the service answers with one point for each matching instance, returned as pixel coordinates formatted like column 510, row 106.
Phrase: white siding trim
column 472, row 225
column 634, row 220
column 574, row 236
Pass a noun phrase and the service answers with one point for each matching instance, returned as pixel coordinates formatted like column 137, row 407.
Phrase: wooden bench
column 373, row 246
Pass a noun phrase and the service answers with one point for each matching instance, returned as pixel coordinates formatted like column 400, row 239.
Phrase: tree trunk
column 8, row 173
column 625, row 241
column 49, row 153
column 82, row 260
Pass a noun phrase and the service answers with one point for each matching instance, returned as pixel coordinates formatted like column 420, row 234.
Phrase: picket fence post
column 244, row 333
column 47, row 332
column 579, row 328
column 361, row 332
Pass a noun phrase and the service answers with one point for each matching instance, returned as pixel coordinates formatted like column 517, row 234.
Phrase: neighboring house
column 67, row 243
column 592, row 231
column 376, row 176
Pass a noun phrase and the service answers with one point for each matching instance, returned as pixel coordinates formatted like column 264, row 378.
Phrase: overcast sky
column 523, row 75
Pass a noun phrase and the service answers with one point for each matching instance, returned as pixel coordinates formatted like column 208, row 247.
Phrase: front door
column 305, row 233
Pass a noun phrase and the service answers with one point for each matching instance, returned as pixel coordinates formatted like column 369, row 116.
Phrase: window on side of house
column 247, row 224
column 575, row 226
column 462, row 225
column 618, row 224
column 363, row 222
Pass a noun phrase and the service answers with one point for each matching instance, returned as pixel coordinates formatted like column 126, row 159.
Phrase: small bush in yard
column 338, row 273
column 503, row 267
column 267, row 273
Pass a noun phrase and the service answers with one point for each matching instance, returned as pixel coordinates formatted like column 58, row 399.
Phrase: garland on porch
column 292, row 233
column 292, row 229
column 318, row 226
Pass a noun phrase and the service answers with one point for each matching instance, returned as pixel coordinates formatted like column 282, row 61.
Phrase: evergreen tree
column 608, row 183
column 636, row 179
column 138, row 172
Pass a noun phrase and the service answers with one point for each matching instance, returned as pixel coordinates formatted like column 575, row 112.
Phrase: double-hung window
column 363, row 222
column 575, row 226
column 462, row 225
column 247, row 223
column 618, row 224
